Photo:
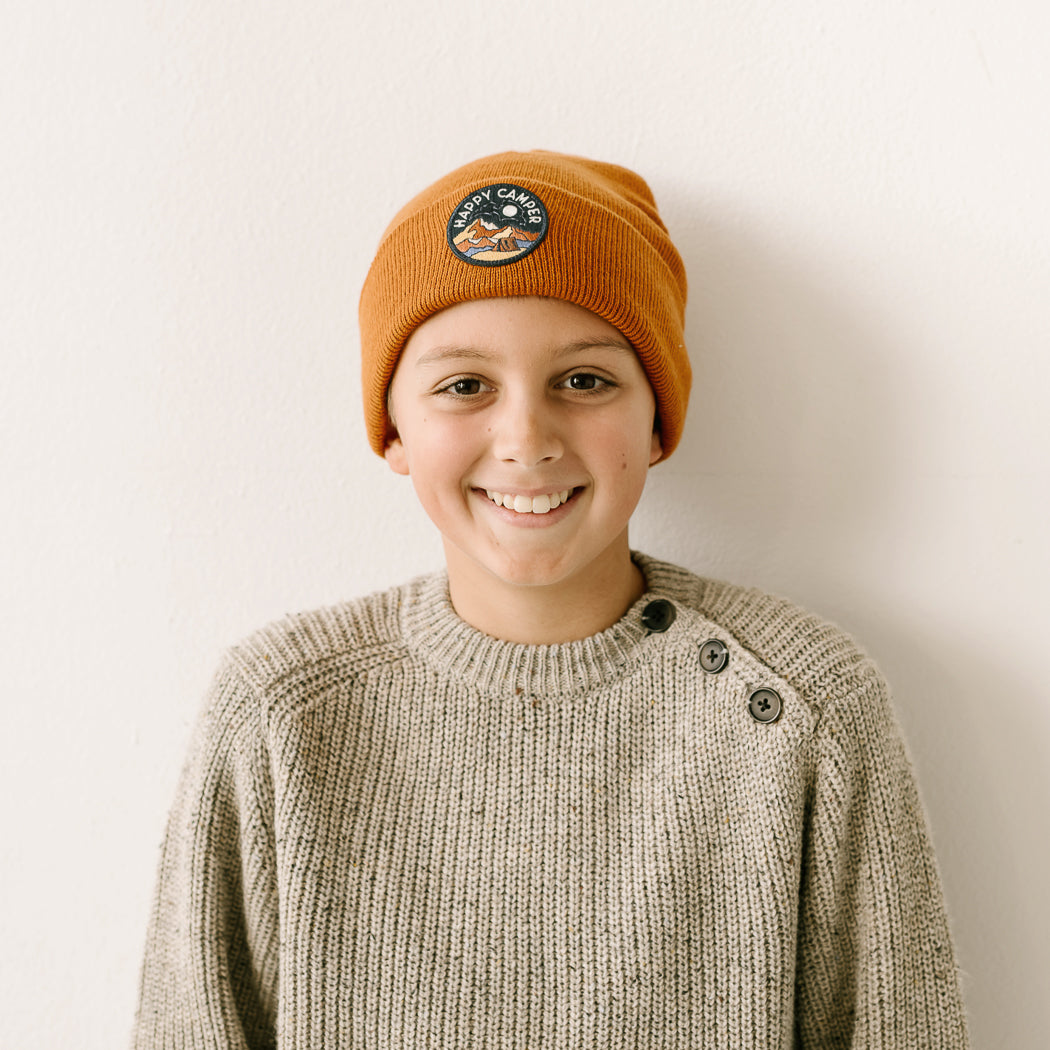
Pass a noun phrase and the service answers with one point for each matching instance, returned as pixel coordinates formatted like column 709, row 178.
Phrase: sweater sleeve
column 209, row 979
column 876, row 965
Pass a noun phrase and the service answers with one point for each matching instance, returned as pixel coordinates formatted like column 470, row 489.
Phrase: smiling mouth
column 529, row 504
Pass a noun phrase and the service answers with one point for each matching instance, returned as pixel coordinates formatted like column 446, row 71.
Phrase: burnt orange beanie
column 531, row 224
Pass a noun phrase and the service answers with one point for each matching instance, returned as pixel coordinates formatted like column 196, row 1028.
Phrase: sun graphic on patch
column 497, row 224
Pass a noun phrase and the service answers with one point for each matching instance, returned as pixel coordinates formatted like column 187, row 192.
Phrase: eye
column 586, row 381
column 465, row 387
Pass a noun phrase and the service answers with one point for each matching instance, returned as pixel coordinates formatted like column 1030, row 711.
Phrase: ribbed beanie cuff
column 534, row 223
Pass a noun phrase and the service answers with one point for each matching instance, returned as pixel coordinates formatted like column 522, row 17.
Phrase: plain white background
column 189, row 198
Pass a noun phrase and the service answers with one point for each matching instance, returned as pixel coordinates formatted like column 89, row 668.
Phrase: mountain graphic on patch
column 488, row 241
column 496, row 224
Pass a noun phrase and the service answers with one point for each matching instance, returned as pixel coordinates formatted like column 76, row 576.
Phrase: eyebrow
column 438, row 354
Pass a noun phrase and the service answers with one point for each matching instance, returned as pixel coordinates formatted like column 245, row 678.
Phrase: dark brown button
column 658, row 615
column 765, row 705
column 713, row 656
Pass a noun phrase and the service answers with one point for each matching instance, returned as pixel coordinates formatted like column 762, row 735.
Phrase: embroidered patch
column 497, row 224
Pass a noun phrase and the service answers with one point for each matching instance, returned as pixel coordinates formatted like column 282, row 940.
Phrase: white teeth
column 528, row 504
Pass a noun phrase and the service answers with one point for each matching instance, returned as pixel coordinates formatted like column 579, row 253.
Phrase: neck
column 564, row 610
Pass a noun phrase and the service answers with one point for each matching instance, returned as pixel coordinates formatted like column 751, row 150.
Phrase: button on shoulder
column 658, row 615
column 765, row 705
column 713, row 656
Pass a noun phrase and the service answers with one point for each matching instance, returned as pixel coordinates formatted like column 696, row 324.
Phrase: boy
column 561, row 795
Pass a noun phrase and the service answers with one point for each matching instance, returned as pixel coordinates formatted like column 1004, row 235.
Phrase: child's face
column 535, row 399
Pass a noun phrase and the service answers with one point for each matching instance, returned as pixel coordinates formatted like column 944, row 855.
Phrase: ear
column 656, row 449
column 394, row 454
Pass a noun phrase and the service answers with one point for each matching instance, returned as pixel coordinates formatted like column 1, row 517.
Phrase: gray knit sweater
column 394, row 831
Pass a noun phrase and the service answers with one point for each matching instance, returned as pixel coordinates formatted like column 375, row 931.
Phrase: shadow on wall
column 793, row 471
column 794, row 424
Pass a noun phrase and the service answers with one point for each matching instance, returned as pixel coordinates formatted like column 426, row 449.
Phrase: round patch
column 497, row 224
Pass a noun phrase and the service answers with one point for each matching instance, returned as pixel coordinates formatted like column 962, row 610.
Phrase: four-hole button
column 713, row 656
column 765, row 705
column 658, row 615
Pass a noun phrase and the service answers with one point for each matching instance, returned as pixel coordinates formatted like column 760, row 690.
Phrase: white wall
column 189, row 197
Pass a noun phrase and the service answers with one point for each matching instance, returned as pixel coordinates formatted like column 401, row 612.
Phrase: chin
column 552, row 568
column 520, row 569
column 530, row 574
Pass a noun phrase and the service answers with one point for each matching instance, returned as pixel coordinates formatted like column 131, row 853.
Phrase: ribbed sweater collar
column 435, row 633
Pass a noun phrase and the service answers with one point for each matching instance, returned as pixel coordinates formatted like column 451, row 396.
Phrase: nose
column 525, row 432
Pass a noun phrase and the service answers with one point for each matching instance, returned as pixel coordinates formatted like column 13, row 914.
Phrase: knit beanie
column 536, row 223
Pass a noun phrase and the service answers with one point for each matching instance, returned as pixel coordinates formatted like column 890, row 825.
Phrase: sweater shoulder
column 822, row 662
column 358, row 633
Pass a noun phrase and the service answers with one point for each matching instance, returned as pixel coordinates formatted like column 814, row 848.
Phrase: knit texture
column 396, row 832
column 606, row 250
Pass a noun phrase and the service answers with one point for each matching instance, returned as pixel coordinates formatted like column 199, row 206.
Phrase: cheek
column 626, row 445
column 439, row 451
column 447, row 440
